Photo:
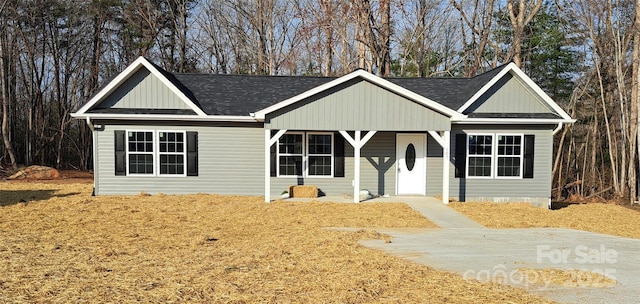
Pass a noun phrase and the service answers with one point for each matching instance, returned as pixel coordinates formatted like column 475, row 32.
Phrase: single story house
column 485, row 138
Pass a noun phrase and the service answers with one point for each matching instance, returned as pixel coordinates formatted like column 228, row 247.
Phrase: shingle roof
column 243, row 94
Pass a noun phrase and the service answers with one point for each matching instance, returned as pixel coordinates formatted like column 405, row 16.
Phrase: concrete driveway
column 476, row 252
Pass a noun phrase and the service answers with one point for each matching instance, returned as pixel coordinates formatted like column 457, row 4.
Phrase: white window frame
column 521, row 156
column 494, row 156
column 156, row 153
column 183, row 153
column 305, row 155
column 278, row 154
column 128, row 153
column 490, row 156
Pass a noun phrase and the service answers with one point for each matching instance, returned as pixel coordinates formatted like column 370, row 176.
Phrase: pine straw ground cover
column 62, row 245
column 601, row 218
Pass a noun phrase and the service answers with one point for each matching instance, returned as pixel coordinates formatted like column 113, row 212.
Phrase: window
column 290, row 154
column 504, row 155
column 301, row 154
column 140, row 152
column 171, row 153
column 509, row 157
column 320, row 154
column 480, row 155
column 156, row 153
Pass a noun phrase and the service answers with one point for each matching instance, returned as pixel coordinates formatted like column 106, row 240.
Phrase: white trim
column 124, row 76
column 513, row 68
column 512, row 121
column 439, row 139
column 356, row 166
column 371, row 78
column 173, row 117
column 494, row 156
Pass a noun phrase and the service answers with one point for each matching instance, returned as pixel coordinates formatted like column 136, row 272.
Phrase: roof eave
column 148, row 117
column 512, row 121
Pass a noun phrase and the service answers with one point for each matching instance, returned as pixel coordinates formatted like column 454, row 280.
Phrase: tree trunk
column 5, row 108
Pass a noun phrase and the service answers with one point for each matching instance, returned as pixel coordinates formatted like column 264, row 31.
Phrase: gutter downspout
column 93, row 152
column 556, row 130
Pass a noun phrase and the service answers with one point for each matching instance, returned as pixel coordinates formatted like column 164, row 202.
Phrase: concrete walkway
column 476, row 252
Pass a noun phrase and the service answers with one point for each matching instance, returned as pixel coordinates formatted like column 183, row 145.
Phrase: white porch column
column 268, row 142
column 446, row 154
column 356, row 167
column 357, row 142
column 267, row 165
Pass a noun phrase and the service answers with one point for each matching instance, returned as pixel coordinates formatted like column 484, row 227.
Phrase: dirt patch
column 565, row 278
column 601, row 218
column 71, row 247
column 65, row 177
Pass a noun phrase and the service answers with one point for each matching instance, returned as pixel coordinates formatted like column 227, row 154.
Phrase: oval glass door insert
column 410, row 157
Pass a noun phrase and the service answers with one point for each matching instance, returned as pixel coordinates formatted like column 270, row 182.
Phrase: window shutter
column 273, row 162
column 338, row 155
column 192, row 153
column 120, row 153
column 461, row 155
column 529, row 144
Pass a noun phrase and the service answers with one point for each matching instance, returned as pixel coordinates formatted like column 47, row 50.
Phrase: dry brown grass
column 62, row 245
column 601, row 218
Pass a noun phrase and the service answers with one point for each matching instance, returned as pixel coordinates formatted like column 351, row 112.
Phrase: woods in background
column 55, row 54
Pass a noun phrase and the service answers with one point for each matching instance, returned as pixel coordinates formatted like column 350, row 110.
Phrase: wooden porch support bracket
column 268, row 142
column 444, row 142
column 357, row 142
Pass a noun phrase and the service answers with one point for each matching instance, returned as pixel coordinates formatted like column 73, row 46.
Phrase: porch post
column 356, row 167
column 446, row 153
column 268, row 142
column 267, row 165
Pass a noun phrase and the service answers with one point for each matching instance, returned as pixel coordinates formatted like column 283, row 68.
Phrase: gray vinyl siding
column 510, row 95
column 536, row 190
column 358, row 105
column 377, row 170
column 231, row 161
column 143, row 90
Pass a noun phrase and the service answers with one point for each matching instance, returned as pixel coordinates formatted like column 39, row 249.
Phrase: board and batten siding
column 357, row 105
column 230, row 159
column 509, row 95
column 377, row 170
column 536, row 190
column 143, row 90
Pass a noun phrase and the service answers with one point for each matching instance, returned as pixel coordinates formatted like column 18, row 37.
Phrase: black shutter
column 120, row 153
column 192, row 153
column 338, row 155
column 529, row 143
column 273, row 162
column 461, row 155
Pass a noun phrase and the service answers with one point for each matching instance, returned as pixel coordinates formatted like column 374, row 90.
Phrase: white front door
column 412, row 164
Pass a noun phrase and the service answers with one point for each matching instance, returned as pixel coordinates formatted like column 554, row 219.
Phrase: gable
column 142, row 90
column 357, row 104
column 509, row 95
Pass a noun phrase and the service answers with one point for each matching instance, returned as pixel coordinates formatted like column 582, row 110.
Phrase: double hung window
column 161, row 153
column 306, row 154
column 495, row 155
